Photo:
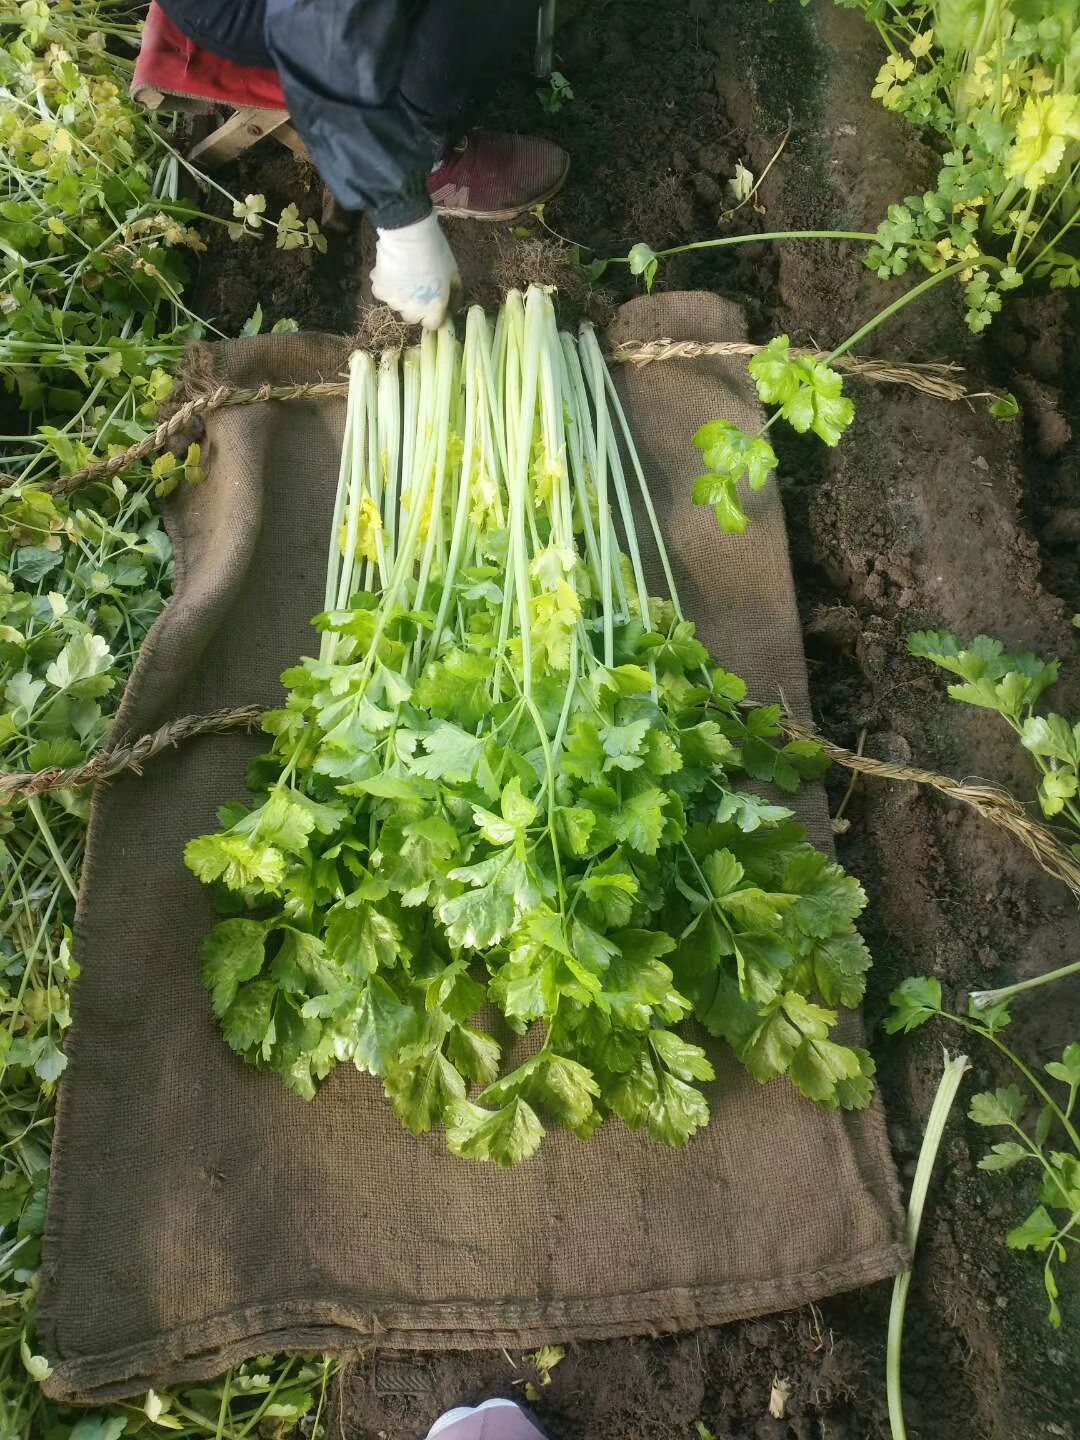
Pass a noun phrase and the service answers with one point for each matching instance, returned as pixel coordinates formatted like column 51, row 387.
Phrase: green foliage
column 999, row 84
column 1011, row 685
column 809, row 396
column 916, row 1001
column 559, row 93
column 1043, row 1143
column 386, row 962
column 731, row 456
column 96, row 252
column 643, row 261
column 807, row 391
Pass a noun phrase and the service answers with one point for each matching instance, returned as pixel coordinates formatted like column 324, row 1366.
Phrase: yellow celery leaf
column 369, row 529
column 455, row 449
column 890, row 81
column 1046, row 125
column 547, row 471
column 429, row 499
column 551, row 564
column 484, row 494
column 555, row 613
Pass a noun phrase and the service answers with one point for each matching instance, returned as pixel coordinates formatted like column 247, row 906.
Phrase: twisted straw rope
column 931, row 379
column 218, row 398
column 107, row 764
column 994, row 805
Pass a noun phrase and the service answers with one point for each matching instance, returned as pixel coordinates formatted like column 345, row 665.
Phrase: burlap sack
column 200, row 1213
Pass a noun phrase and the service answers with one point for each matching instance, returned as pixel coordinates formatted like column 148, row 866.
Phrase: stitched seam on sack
column 701, row 1305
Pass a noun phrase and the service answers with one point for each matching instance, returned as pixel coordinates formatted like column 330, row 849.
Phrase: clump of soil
column 929, row 514
column 317, row 291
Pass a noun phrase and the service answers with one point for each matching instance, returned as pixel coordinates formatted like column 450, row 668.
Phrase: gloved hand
column 415, row 272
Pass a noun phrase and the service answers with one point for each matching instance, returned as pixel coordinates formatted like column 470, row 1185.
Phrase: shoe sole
column 454, row 212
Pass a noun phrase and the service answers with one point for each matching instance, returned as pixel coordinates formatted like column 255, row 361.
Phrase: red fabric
column 170, row 62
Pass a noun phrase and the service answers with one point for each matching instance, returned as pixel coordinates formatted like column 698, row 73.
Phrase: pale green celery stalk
column 424, row 454
column 493, row 424
column 359, row 371
column 554, row 366
column 410, row 419
column 556, row 424
column 949, row 1084
column 984, row 999
column 512, row 317
column 416, row 481
column 588, row 434
column 510, row 335
column 433, row 356
column 475, row 324
column 447, row 356
column 516, row 401
column 495, row 379
column 389, row 408
column 552, row 431
column 34, row 806
column 646, row 497
column 518, row 480
column 334, row 558
column 576, row 453
column 492, row 438
column 575, row 501
column 376, row 478
column 363, row 572
column 498, row 354
column 478, row 457
column 542, row 349
column 604, row 512
column 597, row 372
column 441, row 516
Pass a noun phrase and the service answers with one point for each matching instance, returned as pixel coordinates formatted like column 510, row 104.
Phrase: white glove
column 415, row 272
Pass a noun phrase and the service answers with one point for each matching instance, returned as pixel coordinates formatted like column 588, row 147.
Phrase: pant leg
column 340, row 63
column 375, row 87
column 456, row 55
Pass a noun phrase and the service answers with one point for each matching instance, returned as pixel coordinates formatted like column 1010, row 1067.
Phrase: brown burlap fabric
column 199, row 1213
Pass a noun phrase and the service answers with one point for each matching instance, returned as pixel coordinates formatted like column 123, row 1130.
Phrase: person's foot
column 489, row 175
column 493, row 1420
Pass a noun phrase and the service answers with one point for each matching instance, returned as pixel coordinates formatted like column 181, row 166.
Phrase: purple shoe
column 489, row 175
column 493, row 1420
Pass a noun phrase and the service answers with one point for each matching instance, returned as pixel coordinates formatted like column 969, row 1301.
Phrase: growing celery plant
column 1011, row 686
column 999, row 82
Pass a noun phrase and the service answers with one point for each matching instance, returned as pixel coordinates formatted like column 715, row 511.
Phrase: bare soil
column 928, row 515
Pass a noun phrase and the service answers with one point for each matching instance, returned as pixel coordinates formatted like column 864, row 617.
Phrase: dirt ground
column 928, row 515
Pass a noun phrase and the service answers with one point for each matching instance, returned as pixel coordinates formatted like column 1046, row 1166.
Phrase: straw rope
column 218, row 398
column 994, row 805
column 932, row 378
column 109, row 763
column 935, row 379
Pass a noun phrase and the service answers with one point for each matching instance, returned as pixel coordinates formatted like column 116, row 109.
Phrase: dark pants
column 376, row 87
column 452, row 52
